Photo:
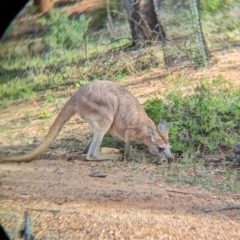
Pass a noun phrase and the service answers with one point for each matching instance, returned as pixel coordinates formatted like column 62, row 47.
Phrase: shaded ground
column 132, row 202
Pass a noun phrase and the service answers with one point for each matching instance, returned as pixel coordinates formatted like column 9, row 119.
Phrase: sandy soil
column 131, row 200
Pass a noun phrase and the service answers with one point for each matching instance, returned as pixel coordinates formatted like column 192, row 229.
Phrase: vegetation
column 67, row 53
column 204, row 117
column 204, row 120
column 215, row 5
column 37, row 64
column 64, row 33
column 221, row 27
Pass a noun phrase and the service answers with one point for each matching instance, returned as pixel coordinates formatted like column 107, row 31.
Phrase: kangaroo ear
column 151, row 133
column 163, row 129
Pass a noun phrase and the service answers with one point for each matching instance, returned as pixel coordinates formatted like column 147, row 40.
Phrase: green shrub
column 214, row 5
column 65, row 33
column 206, row 119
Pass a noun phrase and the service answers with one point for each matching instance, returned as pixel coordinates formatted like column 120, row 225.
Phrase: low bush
column 205, row 119
column 214, row 5
column 65, row 33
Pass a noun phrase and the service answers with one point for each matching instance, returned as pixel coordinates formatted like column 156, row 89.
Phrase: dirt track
column 131, row 202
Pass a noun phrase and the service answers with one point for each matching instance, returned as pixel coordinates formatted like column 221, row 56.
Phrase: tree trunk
column 143, row 21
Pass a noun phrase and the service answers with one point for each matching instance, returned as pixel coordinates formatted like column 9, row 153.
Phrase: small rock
column 71, row 159
column 107, row 195
column 97, row 174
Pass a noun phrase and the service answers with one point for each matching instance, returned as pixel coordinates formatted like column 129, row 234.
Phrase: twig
column 85, row 46
column 111, row 26
column 97, row 174
column 220, row 209
column 186, row 193
column 221, row 152
column 118, row 39
column 44, row 210
column 175, row 191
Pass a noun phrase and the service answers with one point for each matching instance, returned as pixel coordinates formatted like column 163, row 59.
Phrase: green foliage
column 49, row 96
column 81, row 83
column 13, row 88
column 112, row 141
column 221, row 28
column 27, row 86
column 214, row 5
column 65, row 33
column 206, row 119
column 44, row 113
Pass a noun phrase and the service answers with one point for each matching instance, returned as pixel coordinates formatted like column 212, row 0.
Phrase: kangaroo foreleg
column 127, row 144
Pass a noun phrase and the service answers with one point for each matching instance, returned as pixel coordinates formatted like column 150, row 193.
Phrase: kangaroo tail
column 66, row 113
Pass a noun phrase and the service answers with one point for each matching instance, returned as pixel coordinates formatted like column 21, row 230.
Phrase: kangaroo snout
column 162, row 152
column 168, row 154
column 167, row 157
column 165, row 154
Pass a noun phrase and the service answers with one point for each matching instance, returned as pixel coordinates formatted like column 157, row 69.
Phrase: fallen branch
column 220, row 209
column 175, row 191
column 44, row 210
column 98, row 175
column 189, row 193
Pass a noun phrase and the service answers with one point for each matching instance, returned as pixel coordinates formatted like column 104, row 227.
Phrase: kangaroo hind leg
column 103, row 150
column 94, row 152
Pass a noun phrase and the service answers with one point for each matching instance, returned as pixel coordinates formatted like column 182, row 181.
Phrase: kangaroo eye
column 160, row 149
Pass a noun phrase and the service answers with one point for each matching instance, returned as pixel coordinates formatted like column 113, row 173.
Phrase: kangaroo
column 107, row 107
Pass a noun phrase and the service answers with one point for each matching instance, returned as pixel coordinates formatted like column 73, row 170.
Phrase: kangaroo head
column 159, row 145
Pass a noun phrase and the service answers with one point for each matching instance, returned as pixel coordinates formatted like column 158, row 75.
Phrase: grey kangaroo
column 107, row 107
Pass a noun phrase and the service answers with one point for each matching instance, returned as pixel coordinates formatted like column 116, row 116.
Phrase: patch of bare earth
column 132, row 201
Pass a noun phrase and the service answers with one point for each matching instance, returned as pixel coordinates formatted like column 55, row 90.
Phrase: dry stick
column 137, row 23
column 111, row 26
column 85, row 42
column 221, row 152
column 220, row 209
column 147, row 30
column 53, row 210
column 118, row 39
column 44, row 210
column 186, row 193
column 175, row 191
column 86, row 47
column 129, row 18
